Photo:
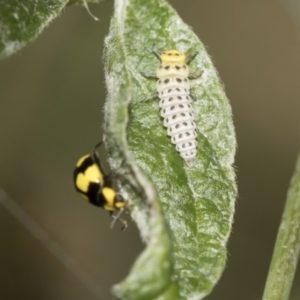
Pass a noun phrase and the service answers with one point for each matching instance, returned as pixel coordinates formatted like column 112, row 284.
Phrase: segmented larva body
column 173, row 89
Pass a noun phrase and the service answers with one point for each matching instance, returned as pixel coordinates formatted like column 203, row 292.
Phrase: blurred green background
column 52, row 95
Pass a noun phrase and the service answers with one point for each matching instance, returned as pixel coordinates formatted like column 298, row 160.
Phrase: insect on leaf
column 184, row 213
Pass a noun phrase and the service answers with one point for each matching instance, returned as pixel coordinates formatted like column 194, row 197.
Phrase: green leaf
column 287, row 247
column 21, row 21
column 184, row 214
column 84, row 2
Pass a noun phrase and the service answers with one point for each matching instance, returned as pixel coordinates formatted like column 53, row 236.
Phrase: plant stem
column 287, row 247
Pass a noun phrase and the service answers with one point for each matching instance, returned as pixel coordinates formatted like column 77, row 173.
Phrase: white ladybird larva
column 173, row 90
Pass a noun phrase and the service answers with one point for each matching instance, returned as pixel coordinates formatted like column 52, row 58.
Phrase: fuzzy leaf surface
column 22, row 21
column 184, row 214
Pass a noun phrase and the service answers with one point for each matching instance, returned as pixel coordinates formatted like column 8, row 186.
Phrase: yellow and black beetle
column 95, row 186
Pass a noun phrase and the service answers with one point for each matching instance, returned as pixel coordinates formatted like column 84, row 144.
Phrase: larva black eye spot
column 167, row 80
column 185, row 123
column 188, row 105
column 163, row 101
column 159, row 81
column 183, row 145
column 184, row 66
column 174, row 117
column 192, row 123
column 172, row 107
column 187, row 97
column 185, row 80
column 167, row 67
column 181, row 106
column 179, row 97
column 178, row 80
column 187, row 134
column 169, row 90
column 167, row 120
column 176, row 54
column 170, row 99
column 190, row 114
column 177, row 125
column 180, row 135
column 169, row 54
column 160, row 66
column 177, row 89
column 177, row 67
column 164, row 110
column 182, row 114
column 190, row 144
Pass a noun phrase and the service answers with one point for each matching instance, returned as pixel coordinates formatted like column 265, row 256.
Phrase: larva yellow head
column 173, row 56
